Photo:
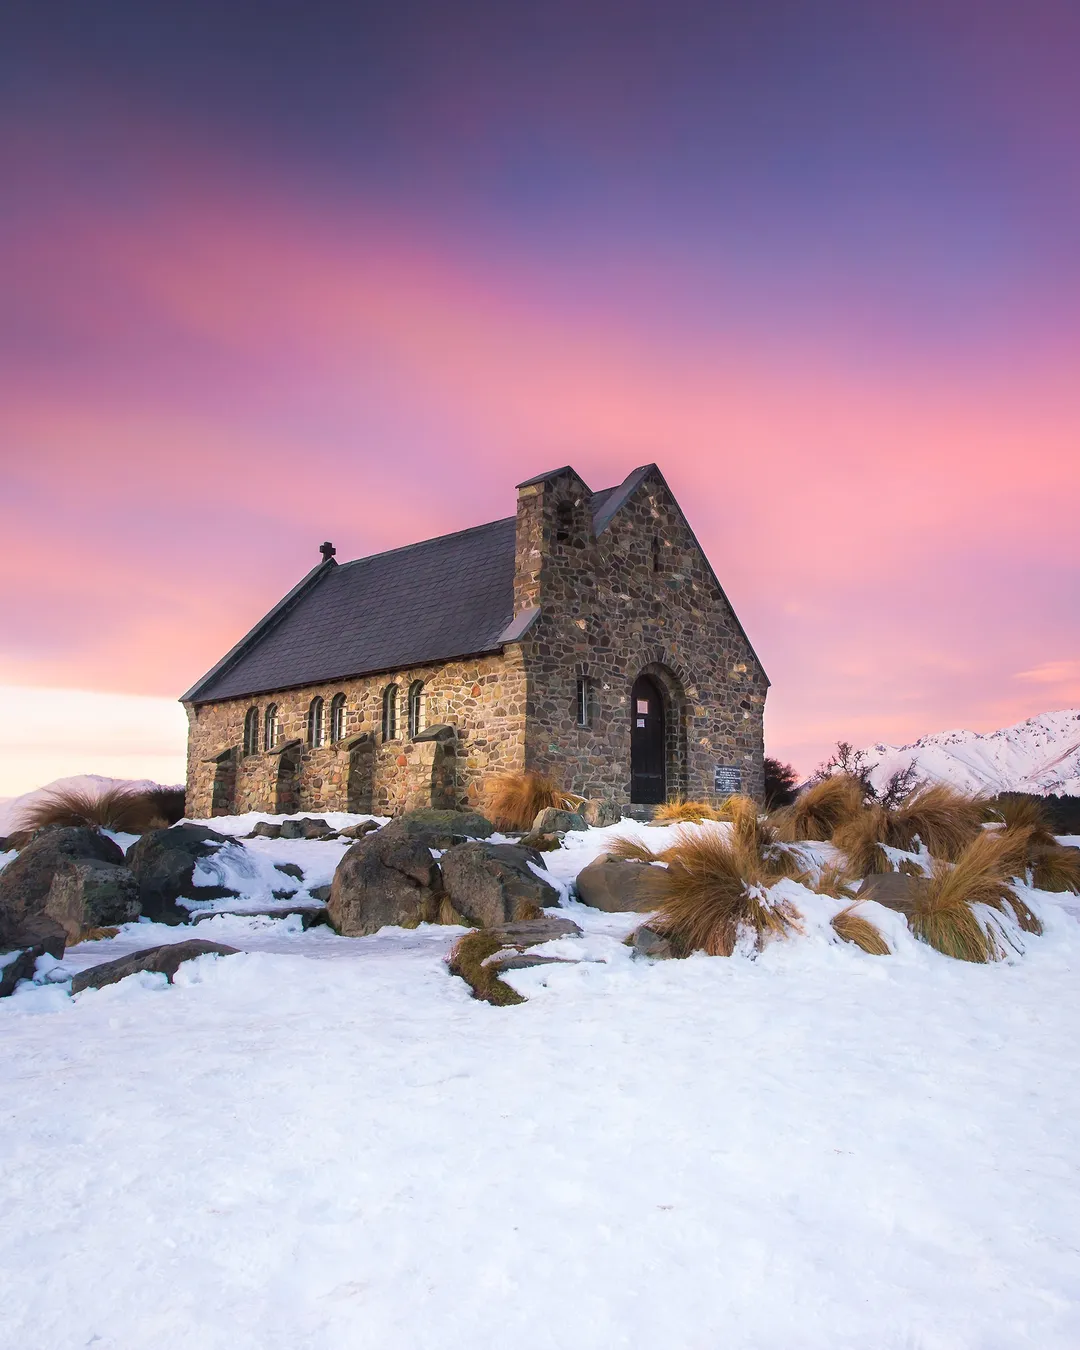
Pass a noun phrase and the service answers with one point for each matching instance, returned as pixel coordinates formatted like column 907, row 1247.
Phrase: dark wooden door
column 648, row 780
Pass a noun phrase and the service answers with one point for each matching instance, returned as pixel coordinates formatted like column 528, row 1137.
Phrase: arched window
column 585, row 709
column 416, row 708
column 251, row 731
column 389, row 712
column 316, row 726
column 271, row 727
column 337, row 717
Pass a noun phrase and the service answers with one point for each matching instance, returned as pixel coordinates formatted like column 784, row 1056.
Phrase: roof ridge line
column 419, row 543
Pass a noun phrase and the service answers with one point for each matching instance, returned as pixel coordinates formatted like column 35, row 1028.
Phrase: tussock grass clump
column 819, row 810
column 126, row 809
column 715, row 889
column 514, row 799
column 861, row 840
column 633, row 850
column 691, row 812
column 942, row 913
column 1055, row 868
column 1022, row 813
column 943, row 819
column 831, row 880
column 854, row 928
column 467, row 957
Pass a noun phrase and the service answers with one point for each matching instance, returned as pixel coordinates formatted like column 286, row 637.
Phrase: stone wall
column 482, row 699
column 641, row 598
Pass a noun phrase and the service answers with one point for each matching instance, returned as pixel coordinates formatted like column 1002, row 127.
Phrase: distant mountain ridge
column 1041, row 755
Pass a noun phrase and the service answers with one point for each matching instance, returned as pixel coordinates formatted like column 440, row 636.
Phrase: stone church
column 587, row 637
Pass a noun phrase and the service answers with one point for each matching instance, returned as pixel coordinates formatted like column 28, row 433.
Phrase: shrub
column 514, row 799
column 829, row 880
column 819, row 809
column 715, row 888
column 467, row 958
column 124, row 808
column 631, row 849
column 854, row 928
column 1018, row 811
column 942, row 912
column 943, row 819
column 780, row 783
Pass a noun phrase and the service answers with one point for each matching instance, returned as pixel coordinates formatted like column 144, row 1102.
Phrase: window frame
column 390, row 696
column 271, row 727
column 251, row 731
column 316, row 723
column 416, row 707
column 339, row 718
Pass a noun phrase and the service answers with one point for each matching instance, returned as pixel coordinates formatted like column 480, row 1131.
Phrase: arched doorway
column 648, row 743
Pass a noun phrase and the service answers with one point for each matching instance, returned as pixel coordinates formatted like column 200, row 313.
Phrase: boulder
column 319, row 893
column 383, row 879
column 311, row 916
column 492, row 884
column 358, row 831
column 39, row 930
column 165, row 960
column 26, row 880
column 86, row 894
column 894, row 890
column 618, row 885
column 266, row 829
column 163, row 862
column 290, row 869
column 551, row 819
column 531, row 932
column 439, row 829
column 601, row 811
column 543, row 843
column 17, row 965
column 647, row 941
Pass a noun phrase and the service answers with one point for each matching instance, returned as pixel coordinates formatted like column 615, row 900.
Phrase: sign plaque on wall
column 727, row 778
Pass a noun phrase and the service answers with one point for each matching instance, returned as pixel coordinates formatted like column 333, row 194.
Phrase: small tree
column 846, row 759
column 780, row 783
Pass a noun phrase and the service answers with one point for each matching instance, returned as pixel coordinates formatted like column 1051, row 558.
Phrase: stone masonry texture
column 640, row 598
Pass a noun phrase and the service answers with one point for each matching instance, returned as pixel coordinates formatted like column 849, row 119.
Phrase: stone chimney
column 555, row 548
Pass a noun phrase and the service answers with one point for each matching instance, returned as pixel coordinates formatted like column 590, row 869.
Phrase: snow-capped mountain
column 1041, row 755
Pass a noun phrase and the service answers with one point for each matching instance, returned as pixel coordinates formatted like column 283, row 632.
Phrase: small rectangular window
column 586, row 702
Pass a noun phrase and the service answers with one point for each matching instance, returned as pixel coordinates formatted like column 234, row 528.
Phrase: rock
column 310, row 915
column 40, row 930
column 894, row 890
column 601, row 811
column 647, row 942
column 283, row 895
column 319, row 893
column 358, row 831
column 543, row 843
column 26, row 880
column 266, row 829
column 439, row 829
column 163, row 862
column 317, row 828
column 619, row 885
column 384, row 879
column 17, row 965
column 492, row 884
column 551, row 819
column 165, row 960
column 4, row 845
column 290, row 869
column 291, row 829
column 531, row 932
column 512, row 960
column 86, row 894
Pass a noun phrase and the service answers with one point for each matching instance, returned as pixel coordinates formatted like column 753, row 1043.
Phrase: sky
column 273, row 273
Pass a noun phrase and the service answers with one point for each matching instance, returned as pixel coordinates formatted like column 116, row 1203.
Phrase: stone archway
column 657, row 749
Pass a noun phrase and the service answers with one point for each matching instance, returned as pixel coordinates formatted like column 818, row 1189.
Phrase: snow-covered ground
column 1041, row 755
column 324, row 1143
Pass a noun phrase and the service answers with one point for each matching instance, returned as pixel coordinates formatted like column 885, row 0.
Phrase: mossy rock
column 439, row 829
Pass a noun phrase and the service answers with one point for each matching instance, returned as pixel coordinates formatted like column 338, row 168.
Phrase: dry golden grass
column 514, row 799
column 1022, row 813
column 831, row 880
column 854, row 928
column 129, row 810
column 1055, row 868
column 467, row 958
column 860, row 839
column 713, row 890
column 943, row 819
column 633, row 850
column 942, row 914
column 93, row 935
column 819, row 810
column 690, row 812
